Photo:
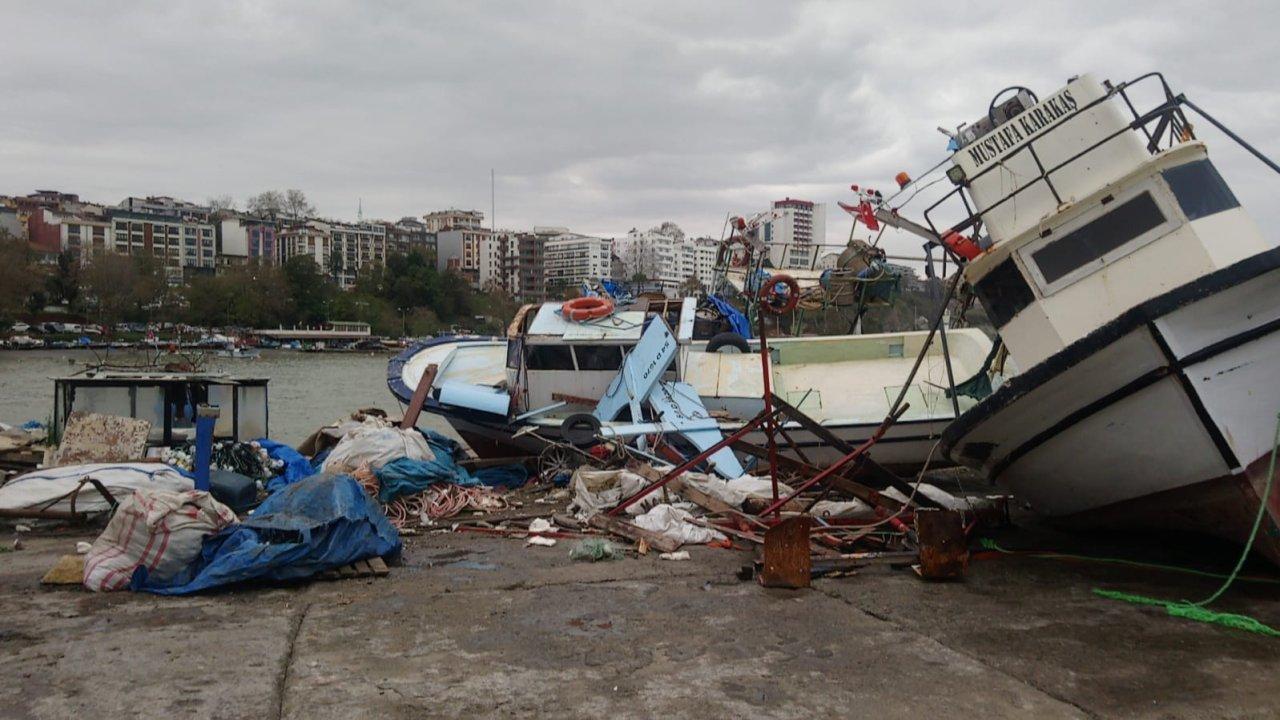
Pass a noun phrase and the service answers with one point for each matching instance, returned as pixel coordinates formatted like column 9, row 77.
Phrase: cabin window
column 550, row 357
column 1200, row 189
column 1089, row 243
column 599, row 357
column 515, row 348
column 1003, row 292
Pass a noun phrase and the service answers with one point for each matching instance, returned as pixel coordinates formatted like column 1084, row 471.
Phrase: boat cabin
column 1086, row 209
column 168, row 401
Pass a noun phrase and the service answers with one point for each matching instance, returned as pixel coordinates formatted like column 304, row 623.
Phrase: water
column 307, row 390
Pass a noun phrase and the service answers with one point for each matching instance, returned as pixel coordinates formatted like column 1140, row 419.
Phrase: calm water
column 307, row 390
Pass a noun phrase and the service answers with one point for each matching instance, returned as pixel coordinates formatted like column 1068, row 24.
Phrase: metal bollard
column 206, row 418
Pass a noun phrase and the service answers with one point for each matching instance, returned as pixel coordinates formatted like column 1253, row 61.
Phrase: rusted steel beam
column 419, row 397
column 786, row 554
column 944, row 552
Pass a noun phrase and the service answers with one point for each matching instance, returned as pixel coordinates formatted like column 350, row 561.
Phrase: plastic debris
column 83, row 547
column 677, row 555
column 594, row 550
column 540, row 541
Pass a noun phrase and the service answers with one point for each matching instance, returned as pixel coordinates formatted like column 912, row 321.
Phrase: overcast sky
column 600, row 116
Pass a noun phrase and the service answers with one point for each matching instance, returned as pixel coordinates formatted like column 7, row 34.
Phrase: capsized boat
column 490, row 388
column 1142, row 302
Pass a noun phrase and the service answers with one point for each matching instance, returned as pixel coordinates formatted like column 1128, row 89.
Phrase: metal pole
column 206, row 418
column 1183, row 99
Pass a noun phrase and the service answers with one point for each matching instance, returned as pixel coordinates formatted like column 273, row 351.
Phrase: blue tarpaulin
column 405, row 476
column 316, row 524
column 296, row 466
column 737, row 321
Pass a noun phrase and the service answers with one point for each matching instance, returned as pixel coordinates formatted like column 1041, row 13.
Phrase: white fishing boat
column 1142, row 303
column 489, row 389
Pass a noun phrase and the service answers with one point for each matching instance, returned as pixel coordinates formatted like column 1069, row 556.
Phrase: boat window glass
column 1200, row 189
column 1003, row 292
column 1091, row 242
column 598, row 357
column 515, row 348
column 550, row 357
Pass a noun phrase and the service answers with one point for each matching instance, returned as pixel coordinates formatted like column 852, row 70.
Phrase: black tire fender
column 728, row 340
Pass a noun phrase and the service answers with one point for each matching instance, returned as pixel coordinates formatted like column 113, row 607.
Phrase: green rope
column 988, row 544
column 1185, row 608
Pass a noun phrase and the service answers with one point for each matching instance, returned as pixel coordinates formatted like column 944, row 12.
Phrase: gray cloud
column 597, row 115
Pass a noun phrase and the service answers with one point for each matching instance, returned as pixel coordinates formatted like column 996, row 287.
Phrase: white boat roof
column 620, row 326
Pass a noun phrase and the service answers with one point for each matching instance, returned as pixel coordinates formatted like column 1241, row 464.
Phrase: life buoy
column 775, row 302
column 587, row 308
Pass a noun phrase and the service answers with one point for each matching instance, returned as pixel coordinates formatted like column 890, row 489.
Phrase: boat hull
column 1163, row 418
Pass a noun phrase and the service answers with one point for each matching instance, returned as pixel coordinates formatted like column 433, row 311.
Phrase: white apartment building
column 340, row 250
column 570, row 258
column 667, row 259
column 795, row 232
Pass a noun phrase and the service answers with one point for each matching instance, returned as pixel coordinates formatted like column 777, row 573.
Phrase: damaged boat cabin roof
column 549, row 326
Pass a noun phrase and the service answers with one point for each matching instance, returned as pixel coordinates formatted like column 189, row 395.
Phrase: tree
column 671, row 230
column 296, row 205
column 691, row 286
column 308, row 289
column 269, row 203
column 17, row 281
column 220, row 203
column 110, row 287
column 63, row 285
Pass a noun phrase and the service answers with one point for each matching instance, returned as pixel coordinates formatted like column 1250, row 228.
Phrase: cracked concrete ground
column 486, row 627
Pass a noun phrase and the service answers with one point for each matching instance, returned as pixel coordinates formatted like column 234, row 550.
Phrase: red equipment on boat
column 961, row 245
column 779, row 303
column 587, row 308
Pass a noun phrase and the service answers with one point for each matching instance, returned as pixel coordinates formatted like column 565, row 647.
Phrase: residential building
column 453, row 219
column 185, row 244
column 705, row 252
column 12, row 223
column 240, row 239
column 340, row 250
column 458, row 250
column 571, row 259
column 667, row 259
column 44, row 231
column 795, row 233
column 164, row 205
column 408, row 235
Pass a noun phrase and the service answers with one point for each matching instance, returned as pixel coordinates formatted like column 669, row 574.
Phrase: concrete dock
column 484, row 627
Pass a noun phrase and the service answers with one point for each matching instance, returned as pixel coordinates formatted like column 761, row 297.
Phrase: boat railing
column 1171, row 128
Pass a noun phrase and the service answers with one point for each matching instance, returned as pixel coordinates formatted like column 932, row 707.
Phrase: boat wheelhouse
column 168, row 400
column 1142, row 303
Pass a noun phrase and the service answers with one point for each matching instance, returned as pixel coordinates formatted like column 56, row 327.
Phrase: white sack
column 40, row 487
column 162, row 531
column 376, row 444
column 673, row 522
column 599, row 490
column 736, row 491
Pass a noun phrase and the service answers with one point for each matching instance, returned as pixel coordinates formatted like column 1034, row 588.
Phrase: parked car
column 20, row 327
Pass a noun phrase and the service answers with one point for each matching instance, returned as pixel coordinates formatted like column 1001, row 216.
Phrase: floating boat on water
column 1141, row 301
column 489, row 389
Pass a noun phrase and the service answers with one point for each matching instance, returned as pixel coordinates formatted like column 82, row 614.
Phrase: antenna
column 360, row 209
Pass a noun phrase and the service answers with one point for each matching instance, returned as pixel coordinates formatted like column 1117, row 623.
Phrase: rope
column 1196, row 610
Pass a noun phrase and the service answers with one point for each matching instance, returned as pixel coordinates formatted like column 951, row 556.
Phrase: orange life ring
column 587, row 308
column 774, row 302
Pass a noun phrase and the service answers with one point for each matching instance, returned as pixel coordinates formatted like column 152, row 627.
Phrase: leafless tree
column 269, row 203
column 296, row 205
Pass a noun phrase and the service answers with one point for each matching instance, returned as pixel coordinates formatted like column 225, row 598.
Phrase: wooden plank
column 362, row 568
column 419, row 397
column 378, row 566
column 346, row 571
column 657, row 541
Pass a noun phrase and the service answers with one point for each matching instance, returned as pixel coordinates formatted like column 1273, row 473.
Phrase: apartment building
column 570, row 259
column 185, row 244
column 796, row 232
column 340, row 250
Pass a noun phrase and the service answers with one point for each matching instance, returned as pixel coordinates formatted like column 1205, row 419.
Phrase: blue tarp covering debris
column 315, row 524
column 737, row 321
column 405, row 476
column 296, row 467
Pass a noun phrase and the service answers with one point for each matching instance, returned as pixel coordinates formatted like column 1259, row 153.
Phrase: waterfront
column 307, row 390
